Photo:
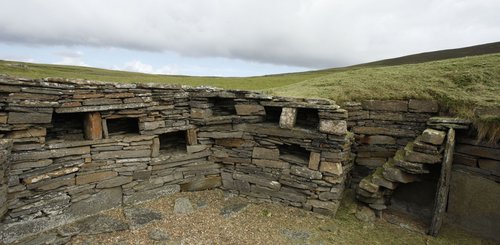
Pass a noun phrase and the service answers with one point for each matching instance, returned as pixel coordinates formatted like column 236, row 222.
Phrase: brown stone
column 28, row 133
column 155, row 147
column 270, row 163
column 367, row 185
column 3, row 118
column 384, row 131
column 397, row 175
column 430, row 106
column 113, row 182
column 60, row 172
column 378, row 140
column 92, row 126
column 230, row 142
column 385, row 105
column 265, row 153
column 29, row 117
column 95, row 177
column 87, row 96
column 314, row 159
column 249, row 110
column 191, row 136
column 288, row 117
column 331, row 167
column 490, row 165
column 464, row 159
column 119, row 95
column 337, row 127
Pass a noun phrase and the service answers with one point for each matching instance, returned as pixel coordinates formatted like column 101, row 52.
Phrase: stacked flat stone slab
column 79, row 147
column 382, row 127
column 5, row 148
column 406, row 166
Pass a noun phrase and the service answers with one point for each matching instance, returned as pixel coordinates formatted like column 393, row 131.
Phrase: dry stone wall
column 79, row 147
column 382, row 127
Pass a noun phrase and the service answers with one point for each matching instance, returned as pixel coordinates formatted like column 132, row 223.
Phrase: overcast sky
column 237, row 37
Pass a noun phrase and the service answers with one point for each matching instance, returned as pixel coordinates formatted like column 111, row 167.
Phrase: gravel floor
column 264, row 223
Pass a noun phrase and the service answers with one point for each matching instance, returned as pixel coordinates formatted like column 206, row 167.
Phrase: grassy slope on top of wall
column 460, row 85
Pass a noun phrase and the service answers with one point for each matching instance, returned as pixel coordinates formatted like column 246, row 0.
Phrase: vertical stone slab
column 104, row 124
column 443, row 184
column 314, row 159
column 92, row 126
column 288, row 117
column 155, row 148
column 191, row 137
column 5, row 148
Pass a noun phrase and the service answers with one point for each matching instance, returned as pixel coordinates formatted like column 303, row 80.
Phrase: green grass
column 459, row 85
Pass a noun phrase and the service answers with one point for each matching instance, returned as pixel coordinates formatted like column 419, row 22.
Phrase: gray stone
column 158, row 235
column 103, row 200
column 142, row 196
column 256, row 179
column 32, row 117
column 365, row 214
column 337, row 127
column 430, row 106
column 96, row 225
column 288, row 117
column 183, row 206
column 433, row 136
column 233, row 209
column 270, row 163
column 419, row 157
column 305, row 172
column 249, row 110
column 138, row 217
column 265, row 153
column 116, row 181
column 203, row 183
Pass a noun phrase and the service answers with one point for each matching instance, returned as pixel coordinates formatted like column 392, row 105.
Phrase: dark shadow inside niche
column 273, row 114
column 294, row 153
column 173, row 142
column 307, row 118
column 417, row 199
column 222, row 106
column 66, row 126
column 122, row 126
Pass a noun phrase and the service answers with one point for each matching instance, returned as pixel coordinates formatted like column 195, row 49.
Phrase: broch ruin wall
column 72, row 148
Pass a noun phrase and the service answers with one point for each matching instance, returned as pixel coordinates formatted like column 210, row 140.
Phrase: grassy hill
column 459, row 84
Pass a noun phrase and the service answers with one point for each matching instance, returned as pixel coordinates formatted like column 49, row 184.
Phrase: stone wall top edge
column 66, row 84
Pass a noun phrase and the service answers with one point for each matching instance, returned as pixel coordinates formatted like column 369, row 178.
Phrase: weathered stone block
column 326, row 208
column 228, row 142
column 288, row 117
column 142, row 196
column 265, row 153
column 384, row 131
column 371, row 161
column 331, row 167
column 305, row 172
column 430, row 106
column 478, row 151
column 29, row 117
column 490, row 165
column 204, row 183
column 53, row 174
column 201, row 113
column 314, row 159
column 337, row 127
column 191, row 136
column 113, row 182
column 102, row 200
column 249, row 110
column 367, row 185
column 397, row 175
column 121, row 154
column 378, row 140
column 95, row 177
column 270, row 163
column 433, row 136
column 273, row 184
column 92, row 126
column 28, row 133
column 151, row 125
column 385, row 105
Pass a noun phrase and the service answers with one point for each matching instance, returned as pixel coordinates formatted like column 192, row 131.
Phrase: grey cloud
column 311, row 33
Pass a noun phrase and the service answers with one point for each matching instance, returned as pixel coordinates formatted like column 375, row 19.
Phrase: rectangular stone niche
column 173, row 142
column 273, row 114
column 66, row 126
column 122, row 126
column 294, row 154
column 222, row 106
column 307, row 118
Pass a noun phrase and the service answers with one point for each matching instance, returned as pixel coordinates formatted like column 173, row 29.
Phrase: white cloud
column 138, row 66
column 70, row 57
column 312, row 33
